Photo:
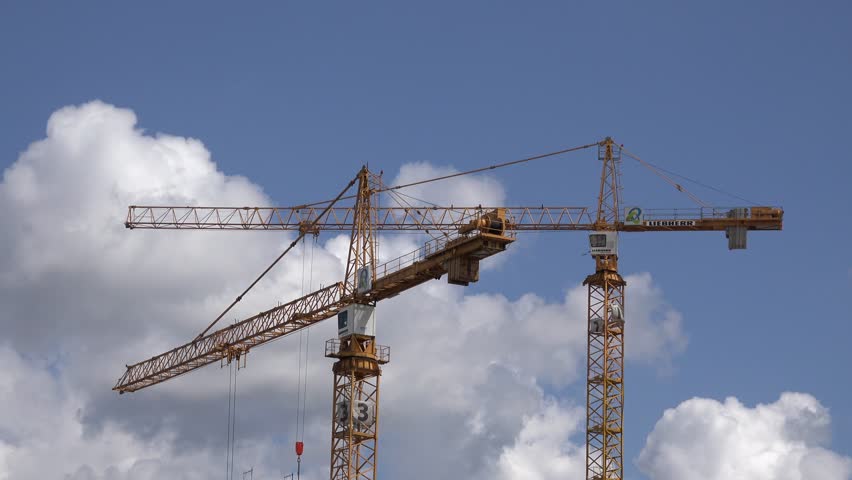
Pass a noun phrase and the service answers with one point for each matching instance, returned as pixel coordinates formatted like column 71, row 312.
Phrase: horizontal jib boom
column 236, row 340
column 445, row 219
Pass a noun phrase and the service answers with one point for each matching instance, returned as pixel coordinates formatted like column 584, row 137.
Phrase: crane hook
column 300, row 448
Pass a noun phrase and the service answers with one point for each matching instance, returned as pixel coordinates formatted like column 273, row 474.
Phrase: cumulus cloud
column 465, row 191
column 46, row 438
column 490, row 359
column 655, row 329
column 81, row 296
column 704, row 439
column 543, row 449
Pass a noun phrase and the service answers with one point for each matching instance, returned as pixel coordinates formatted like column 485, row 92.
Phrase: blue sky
column 751, row 97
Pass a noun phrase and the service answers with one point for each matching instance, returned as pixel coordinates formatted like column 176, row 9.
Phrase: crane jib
column 459, row 257
column 444, row 219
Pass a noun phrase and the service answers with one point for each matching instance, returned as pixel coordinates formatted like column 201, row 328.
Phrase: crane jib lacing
column 310, row 227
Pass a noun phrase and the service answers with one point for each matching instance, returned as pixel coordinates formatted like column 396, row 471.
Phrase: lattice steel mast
column 605, row 372
column 355, row 422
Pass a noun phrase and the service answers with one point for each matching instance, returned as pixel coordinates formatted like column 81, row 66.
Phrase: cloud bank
column 704, row 439
column 478, row 377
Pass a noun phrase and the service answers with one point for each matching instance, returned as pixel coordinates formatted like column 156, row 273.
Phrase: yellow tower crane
column 466, row 236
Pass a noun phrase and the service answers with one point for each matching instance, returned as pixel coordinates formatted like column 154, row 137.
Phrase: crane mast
column 355, row 398
column 605, row 339
column 362, row 245
column 463, row 237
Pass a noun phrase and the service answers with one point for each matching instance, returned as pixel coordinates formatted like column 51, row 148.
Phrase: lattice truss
column 462, row 236
column 605, row 386
column 353, row 445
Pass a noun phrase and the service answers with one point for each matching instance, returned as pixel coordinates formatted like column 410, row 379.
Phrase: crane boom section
column 337, row 218
column 518, row 219
column 234, row 340
column 459, row 257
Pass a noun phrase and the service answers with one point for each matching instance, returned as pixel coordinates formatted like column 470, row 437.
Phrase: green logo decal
column 634, row 216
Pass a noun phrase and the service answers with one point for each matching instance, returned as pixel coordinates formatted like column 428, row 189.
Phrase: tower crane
column 466, row 236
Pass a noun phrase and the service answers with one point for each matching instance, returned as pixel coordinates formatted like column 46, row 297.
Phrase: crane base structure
column 355, row 404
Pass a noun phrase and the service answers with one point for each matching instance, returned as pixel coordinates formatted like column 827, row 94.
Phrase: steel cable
column 292, row 245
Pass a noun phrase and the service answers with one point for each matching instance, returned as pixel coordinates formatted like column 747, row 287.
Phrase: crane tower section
column 605, row 383
column 605, row 367
column 355, row 424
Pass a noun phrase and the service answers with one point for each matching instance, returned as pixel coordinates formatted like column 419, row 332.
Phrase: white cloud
column 81, row 296
column 481, row 362
column 45, row 438
column 76, row 184
column 655, row 329
column 463, row 191
column 704, row 439
column 467, row 191
column 543, row 449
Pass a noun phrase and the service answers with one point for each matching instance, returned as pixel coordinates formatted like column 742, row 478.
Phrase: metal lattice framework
column 356, row 379
column 234, row 340
column 397, row 275
column 605, row 375
column 362, row 246
column 462, row 237
column 605, row 361
column 408, row 218
column 432, row 218
column 609, row 199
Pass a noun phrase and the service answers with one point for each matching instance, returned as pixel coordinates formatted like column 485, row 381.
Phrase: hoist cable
column 459, row 174
column 307, row 350
column 292, row 244
column 491, row 167
column 305, row 384
column 299, row 389
column 228, row 437
column 665, row 177
column 304, row 339
column 234, row 420
column 299, row 403
column 397, row 196
column 701, row 184
column 304, row 392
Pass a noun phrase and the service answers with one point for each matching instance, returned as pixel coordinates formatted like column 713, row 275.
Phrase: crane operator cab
column 603, row 243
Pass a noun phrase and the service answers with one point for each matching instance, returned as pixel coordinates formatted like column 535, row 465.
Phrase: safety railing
column 332, row 349
column 702, row 213
column 431, row 247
